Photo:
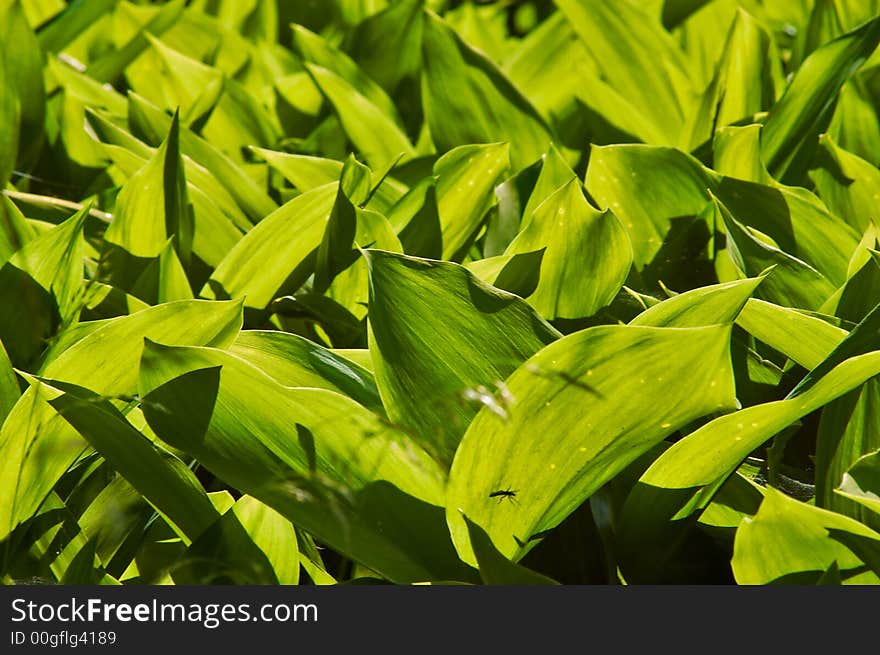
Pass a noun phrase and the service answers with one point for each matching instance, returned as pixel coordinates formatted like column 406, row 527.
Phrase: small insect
column 501, row 494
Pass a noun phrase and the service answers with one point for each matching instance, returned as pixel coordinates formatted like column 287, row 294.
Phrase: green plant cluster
column 432, row 291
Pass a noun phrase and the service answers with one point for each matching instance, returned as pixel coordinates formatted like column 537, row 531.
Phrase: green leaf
column 273, row 534
column 317, row 51
column 158, row 476
column 649, row 189
column 15, row 231
column 153, row 205
column 37, row 446
column 297, row 362
column 804, row 339
column 153, row 124
column 250, row 544
column 850, row 426
column 257, row 269
column 387, row 44
column 72, row 21
column 519, row 274
column 377, row 138
column 711, row 305
column 788, row 542
column 111, row 65
column 466, row 181
column 163, row 280
column 437, row 335
column 580, row 411
column 861, row 483
column 805, row 109
column 637, row 57
column 792, row 282
column 23, row 78
column 181, row 83
column 466, row 99
column 320, row 459
column 495, row 568
column 848, row 184
column 9, row 389
column 555, row 174
column 10, row 125
column 573, row 231
column 54, row 260
column 742, row 85
column 684, row 479
column 796, row 220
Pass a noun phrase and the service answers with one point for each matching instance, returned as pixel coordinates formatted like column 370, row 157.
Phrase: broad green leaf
column 805, row 109
column 437, row 337
column 387, row 45
column 848, row 184
column 466, row 98
column 117, row 513
column 637, row 57
column 377, row 138
column 495, row 568
column 555, row 174
column 580, row 411
column 153, row 125
column 54, row 260
column 111, row 65
column 9, row 389
column 736, row 152
column 350, row 288
column 297, row 362
column 416, row 219
column 273, row 534
column 236, row 549
column 683, row 480
column 22, row 78
column 649, row 189
column 572, row 231
column 653, row 190
column 850, row 426
column 743, row 81
column 335, row 252
column 792, row 282
column 302, row 171
column 518, row 273
column 181, row 84
column 153, row 205
column 74, row 19
column 548, row 66
column 848, row 429
column 159, row 477
column 306, row 172
column 796, row 220
column 257, row 269
column 15, row 231
column 37, row 446
column 855, row 125
column 805, row 339
column 466, row 180
column 788, row 542
column 317, row 51
column 163, row 280
column 712, row 305
column 320, row 459
column 861, row 483
column 215, row 229
column 10, row 125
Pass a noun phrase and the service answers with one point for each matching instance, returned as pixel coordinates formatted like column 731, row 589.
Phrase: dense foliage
column 517, row 292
